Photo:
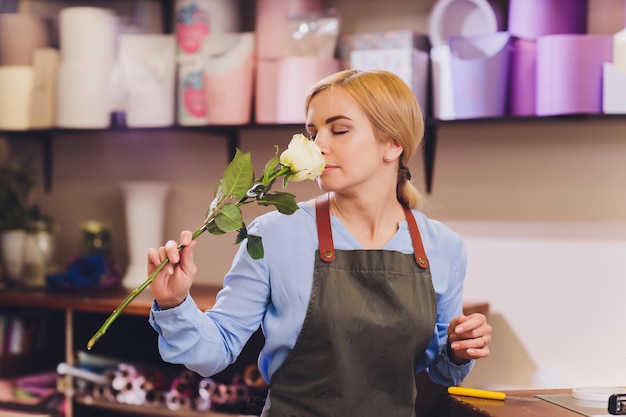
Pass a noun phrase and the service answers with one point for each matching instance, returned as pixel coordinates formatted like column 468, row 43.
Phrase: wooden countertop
column 524, row 403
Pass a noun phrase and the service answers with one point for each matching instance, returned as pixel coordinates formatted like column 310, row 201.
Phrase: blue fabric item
column 89, row 271
column 274, row 292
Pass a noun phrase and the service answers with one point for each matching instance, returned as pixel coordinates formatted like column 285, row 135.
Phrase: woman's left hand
column 469, row 337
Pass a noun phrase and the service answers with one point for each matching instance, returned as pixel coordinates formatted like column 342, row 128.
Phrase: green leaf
column 213, row 229
column 255, row 247
column 241, row 234
column 238, row 176
column 284, row 202
column 270, row 167
column 229, row 218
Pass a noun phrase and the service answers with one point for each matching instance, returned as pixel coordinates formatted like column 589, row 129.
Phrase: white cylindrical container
column 16, row 89
column 12, row 244
column 83, row 96
column 145, row 209
column 88, row 34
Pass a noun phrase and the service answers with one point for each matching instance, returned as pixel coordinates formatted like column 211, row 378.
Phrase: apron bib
column 370, row 318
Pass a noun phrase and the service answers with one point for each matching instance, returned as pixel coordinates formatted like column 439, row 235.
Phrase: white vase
column 38, row 252
column 145, row 208
column 12, row 243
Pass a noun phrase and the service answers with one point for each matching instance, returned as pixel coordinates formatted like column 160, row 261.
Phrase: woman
column 357, row 290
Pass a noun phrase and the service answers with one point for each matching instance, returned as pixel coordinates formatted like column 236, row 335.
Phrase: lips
column 329, row 168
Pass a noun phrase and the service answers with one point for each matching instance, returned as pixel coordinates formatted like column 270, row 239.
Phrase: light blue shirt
column 274, row 292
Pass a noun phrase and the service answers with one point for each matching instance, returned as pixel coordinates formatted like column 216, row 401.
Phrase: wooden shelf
column 148, row 411
column 97, row 300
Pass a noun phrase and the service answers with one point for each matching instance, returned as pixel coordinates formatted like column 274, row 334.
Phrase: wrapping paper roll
column 148, row 63
column 88, row 34
column 83, row 95
column 523, row 82
column 455, row 18
column 229, row 78
column 480, row 68
column 272, row 23
column 16, row 87
column 531, row 19
column 569, row 73
column 20, row 35
column 43, row 103
column 196, row 19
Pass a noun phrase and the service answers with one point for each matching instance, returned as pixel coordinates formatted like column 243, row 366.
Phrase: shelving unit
column 83, row 309
column 232, row 135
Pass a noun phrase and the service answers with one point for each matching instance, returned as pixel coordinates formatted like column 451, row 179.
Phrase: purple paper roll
column 569, row 73
column 523, row 77
column 531, row 19
column 479, row 75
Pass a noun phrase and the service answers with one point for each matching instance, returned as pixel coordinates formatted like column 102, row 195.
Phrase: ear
column 393, row 148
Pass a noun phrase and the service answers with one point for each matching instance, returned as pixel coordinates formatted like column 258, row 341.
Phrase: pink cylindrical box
column 569, row 73
column 228, row 83
column 531, row 19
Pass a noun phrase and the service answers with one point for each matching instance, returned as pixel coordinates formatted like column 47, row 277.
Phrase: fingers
column 470, row 336
column 172, row 251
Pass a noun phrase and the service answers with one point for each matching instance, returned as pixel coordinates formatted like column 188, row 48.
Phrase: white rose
column 304, row 159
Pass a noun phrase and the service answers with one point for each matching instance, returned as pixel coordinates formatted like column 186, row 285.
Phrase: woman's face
column 345, row 136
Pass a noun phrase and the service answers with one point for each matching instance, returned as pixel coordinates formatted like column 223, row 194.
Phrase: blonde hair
column 393, row 111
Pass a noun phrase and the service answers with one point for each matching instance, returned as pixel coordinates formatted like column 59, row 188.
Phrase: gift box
column 402, row 52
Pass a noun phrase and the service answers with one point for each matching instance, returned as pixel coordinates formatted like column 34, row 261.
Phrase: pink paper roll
column 523, row 77
column 531, row 19
column 569, row 73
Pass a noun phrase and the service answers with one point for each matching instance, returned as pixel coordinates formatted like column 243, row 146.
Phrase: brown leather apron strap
column 418, row 246
column 324, row 230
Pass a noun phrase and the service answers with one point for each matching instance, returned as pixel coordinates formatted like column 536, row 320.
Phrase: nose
column 321, row 142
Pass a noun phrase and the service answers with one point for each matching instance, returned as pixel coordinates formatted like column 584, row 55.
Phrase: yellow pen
column 478, row 393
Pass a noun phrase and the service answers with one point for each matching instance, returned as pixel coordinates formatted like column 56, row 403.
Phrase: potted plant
column 17, row 213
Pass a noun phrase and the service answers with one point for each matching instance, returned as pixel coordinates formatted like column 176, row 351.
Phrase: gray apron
column 371, row 316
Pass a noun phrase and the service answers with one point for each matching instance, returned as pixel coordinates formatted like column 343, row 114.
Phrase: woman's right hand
column 171, row 285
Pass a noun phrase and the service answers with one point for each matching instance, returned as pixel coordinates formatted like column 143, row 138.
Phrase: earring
column 387, row 157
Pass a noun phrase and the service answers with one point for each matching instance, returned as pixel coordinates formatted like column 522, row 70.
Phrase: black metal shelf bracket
column 430, row 145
